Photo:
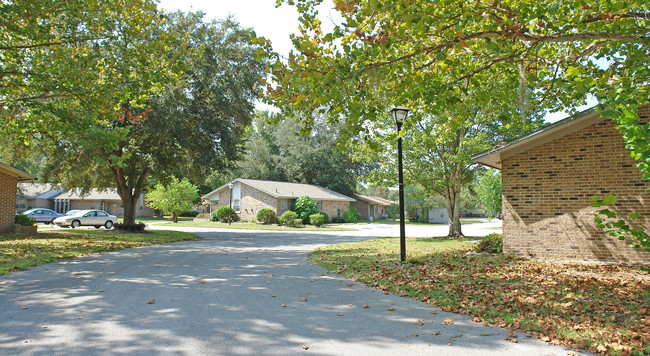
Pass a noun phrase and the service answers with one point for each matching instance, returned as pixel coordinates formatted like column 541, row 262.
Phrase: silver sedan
column 96, row 218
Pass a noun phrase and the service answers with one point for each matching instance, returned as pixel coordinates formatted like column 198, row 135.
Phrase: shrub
column 305, row 207
column 316, row 219
column 351, row 215
column 326, row 217
column 24, row 220
column 338, row 220
column 266, row 216
column 492, row 243
column 222, row 215
column 189, row 214
column 138, row 227
column 289, row 218
column 203, row 216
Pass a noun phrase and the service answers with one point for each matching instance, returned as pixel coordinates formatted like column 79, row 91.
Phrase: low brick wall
column 547, row 196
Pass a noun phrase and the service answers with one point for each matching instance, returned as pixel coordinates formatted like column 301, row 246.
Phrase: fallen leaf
column 27, row 341
column 416, row 334
column 350, row 284
column 512, row 334
column 349, row 305
column 305, row 347
column 433, row 312
column 405, row 336
column 340, row 314
column 273, row 295
column 201, row 282
column 449, row 344
column 100, row 291
column 307, row 292
column 485, row 323
column 365, row 306
column 216, row 276
column 268, row 282
column 283, row 305
column 448, row 321
column 476, row 319
column 23, row 308
column 151, row 301
column 435, row 333
column 419, row 322
column 44, row 327
column 390, row 309
column 303, row 299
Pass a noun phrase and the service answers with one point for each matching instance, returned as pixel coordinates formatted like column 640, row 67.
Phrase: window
column 235, row 205
column 101, row 205
column 101, row 213
column 319, row 204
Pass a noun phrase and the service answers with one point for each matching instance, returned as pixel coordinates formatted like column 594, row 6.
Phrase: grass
column 20, row 252
column 252, row 226
column 601, row 308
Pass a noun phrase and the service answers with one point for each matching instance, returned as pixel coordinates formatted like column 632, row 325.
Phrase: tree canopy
column 191, row 124
column 419, row 53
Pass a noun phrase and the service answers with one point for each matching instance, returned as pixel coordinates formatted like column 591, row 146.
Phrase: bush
column 138, row 227
column 351, row 215
column 222, row 215
column 203, row 216
column 24, row 220
column 266, row 216
column 337, row 220
column 289, row 218
column 189, row 214
column 316, row 219
column 492, row 243
column 305, row 207
column 326, row 218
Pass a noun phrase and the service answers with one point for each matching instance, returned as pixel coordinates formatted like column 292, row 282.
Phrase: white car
column 96, row 218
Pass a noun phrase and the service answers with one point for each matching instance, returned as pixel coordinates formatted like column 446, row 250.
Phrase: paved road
column 228, row 293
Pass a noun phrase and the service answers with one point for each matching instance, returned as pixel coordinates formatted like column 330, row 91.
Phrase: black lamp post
column 399, row 115
column 230, row 185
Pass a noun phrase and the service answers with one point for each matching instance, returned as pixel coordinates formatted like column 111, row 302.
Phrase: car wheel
column 52, row 222
column 75, row 224
column 97, row 226
column 109, row 224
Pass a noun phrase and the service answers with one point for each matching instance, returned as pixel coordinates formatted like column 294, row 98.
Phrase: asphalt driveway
column 229, row 293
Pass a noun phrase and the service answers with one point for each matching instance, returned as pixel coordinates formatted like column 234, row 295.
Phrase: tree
column 278, row 152
column 173, row 198
column 488, row 190
column 438, row 147
column 195, row 125
column 416, row 53
column 305, row 207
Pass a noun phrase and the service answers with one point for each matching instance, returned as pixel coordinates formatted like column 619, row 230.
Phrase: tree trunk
column 130, row 204
column 129, row 195
column 452, row 198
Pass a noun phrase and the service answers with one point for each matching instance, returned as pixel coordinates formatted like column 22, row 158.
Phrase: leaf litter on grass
column 601, row 308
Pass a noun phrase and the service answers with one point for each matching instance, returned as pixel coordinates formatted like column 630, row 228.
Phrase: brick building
column 107, row 200
column 249, row 196
column 371, row 208
column 9, row 178
column 548, row 179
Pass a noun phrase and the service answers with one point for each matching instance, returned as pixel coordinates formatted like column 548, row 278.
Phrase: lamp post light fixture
column 399, row 115
column 230, row 186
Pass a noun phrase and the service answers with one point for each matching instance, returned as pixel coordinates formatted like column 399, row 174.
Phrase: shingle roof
column 22, row 176
column 93, row 194
column 285, row 190
column 34, row 190
column 493, row 157
column 374, row 200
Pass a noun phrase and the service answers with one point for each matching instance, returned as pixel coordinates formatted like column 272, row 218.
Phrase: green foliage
column 616, row 225
column 222, row 214
column 132, row 228
column 275, row 152
column 304, row 208
column 351, row 215
column 174, row 198
column 393, row 211
column 492, row 243
column 317, row 219
column 266, row 216
column 326, row 218
column 24, row 220
column 488, row 191
column 289, row 218
column 203, row 216
column 189, row 214
column 127, row 97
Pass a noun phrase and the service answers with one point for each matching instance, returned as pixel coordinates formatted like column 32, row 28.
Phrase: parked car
column 42, row 215
column 96, row 218
column 72, row 212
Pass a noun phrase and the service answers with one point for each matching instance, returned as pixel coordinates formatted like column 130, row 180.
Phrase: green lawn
column 19, row 252
column 601, row 308
column 251, row 226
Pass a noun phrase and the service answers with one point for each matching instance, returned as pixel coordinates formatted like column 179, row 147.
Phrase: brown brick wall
column 252, row 200
column 547, row 196
column 7, row 201
column 331, row 207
